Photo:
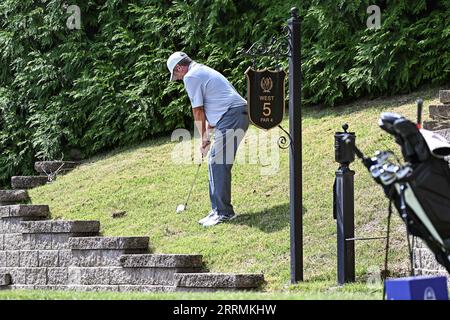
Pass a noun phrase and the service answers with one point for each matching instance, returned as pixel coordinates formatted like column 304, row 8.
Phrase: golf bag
column 419, row 188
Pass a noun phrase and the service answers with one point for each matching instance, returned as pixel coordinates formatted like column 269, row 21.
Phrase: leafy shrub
column 106, row 85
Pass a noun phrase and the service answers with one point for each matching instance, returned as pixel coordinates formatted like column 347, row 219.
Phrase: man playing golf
column 215, row 104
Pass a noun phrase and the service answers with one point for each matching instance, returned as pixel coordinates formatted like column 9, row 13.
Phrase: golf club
column 182, row 207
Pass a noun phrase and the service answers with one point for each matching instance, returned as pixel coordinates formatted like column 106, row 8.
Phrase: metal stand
column 345, row 217
column 343, row 205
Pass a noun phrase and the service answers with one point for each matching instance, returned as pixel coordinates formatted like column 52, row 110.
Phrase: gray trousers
column 228, row 134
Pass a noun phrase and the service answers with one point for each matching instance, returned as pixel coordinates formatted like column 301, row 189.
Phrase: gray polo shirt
column 208, row 88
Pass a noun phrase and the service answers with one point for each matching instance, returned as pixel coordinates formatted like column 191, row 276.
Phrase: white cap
column 173, row 61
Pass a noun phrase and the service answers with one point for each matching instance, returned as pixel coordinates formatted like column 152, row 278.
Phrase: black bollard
column 343, row 205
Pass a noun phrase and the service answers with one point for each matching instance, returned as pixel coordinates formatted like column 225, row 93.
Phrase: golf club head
column 386, row 121
column 383, row 156
column 404, row 172
column 387, row 178
column 376, row 171
column 181, row 208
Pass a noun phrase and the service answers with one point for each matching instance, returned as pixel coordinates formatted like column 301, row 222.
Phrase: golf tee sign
column 265, row 97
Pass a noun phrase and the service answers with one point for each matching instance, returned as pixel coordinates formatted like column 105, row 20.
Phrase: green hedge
column 106, row 85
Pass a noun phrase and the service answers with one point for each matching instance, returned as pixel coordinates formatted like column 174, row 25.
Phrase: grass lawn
column 321, row 290
column 145, row 182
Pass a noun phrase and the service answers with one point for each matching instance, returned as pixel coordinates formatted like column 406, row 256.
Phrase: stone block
column 161, row 260
column 88, row 276
column 96, row 258
column 436, row 125
column 91, row 227
column 42, row 241
column 35, row 276
column 444, row 96
column 36, row 226
column 48, row 258
column 28, row 182
column 18, row 275
column 146, row 276
column 12, row 224
column 60, row 241
column 115, row 243
column 48, row 167
column 29, row 242
column 13, row 197
column 218, row 280
column 428, row 260
column 439, row 112
column 61, row 226
column 25, row 210
column 5, row 279
column 29, row 258
column 57, row 276
column 14, row 241
column 2, row 259
column 13, row 258
column 64, row 258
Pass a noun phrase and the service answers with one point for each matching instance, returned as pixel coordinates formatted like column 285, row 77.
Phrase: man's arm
column 200, row 121
column 200, row 124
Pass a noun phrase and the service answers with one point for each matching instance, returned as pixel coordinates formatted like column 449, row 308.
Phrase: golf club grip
column 419, row 112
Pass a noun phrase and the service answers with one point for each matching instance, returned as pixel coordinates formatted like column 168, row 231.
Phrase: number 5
column 266, row 108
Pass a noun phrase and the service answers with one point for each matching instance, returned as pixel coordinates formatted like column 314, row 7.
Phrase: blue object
column 417, row 288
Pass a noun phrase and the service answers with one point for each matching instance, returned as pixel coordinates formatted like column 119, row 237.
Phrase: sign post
column 266, row 110
column 295, row 156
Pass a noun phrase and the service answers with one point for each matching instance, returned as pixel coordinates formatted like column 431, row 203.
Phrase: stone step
column 161, row 261
column 13, row 197
column 434, row 125
column 50, row 167
column 5, row 279
column 28, row 182
column 217, row 281
column 444, row 96
column 60, row 226
column 11, row 216
column 25, row 211
column 126, row 276
column 105, row 251
column 111, row 243
column 439, row 112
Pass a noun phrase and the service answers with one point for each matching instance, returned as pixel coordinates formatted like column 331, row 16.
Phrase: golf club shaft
column 193, row 183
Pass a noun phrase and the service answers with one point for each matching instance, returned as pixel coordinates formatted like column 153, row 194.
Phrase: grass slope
column 148, row 185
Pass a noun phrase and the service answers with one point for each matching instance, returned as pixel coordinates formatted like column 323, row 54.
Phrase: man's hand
column 206, row 144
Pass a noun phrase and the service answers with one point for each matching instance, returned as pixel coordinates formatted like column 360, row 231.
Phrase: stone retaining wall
column 44, row 254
